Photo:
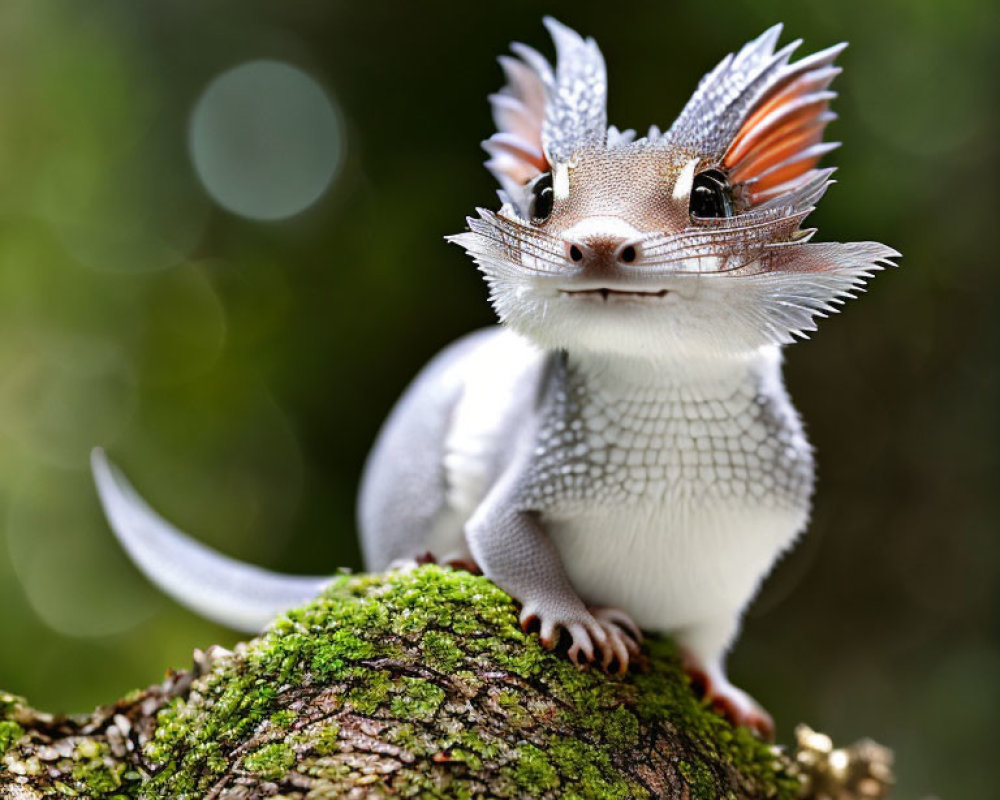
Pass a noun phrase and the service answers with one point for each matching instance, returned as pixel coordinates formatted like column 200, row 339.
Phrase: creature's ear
column 761, row 118
column 544, row 116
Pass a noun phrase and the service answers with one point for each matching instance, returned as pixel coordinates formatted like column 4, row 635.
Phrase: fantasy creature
column 620, row 453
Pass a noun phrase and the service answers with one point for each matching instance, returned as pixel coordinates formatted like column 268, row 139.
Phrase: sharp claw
column 549, row 634
column 607, row 655
column 609, row 631
column 630, row 628
column 617, row 635
column 599, row 634
column 582, row 641
column 620, row 619
column 610, row 653
column 574, row 656
column 622, row 653
column 596, row 630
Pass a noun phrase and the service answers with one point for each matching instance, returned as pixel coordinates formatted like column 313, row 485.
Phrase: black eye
column 542, row 196
column 710, row 195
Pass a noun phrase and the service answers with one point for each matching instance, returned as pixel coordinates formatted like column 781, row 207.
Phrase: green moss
column 590, row 773
column 621, row 728
column 365, row 645
column 534, row 771
column 699, row 778
column 270, row 762
column 10, row 732
column 326, row 740
column 440, row 651
column 416, row 698
column 94, row 771
column 283, row 719
column 370, row 690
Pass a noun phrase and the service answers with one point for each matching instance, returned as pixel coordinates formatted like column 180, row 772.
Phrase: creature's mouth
column 607, row 294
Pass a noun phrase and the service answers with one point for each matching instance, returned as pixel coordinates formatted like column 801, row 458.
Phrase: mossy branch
column 416, row 684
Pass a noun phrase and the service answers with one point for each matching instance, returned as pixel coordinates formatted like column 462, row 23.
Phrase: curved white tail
column 227, row 591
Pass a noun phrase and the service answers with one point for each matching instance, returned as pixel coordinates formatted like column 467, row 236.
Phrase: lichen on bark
column 410, row 684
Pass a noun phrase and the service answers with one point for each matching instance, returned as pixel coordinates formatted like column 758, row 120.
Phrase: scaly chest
column 665, row 498
column 727, row 442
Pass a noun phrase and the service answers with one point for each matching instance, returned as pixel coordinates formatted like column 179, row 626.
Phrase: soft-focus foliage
column 238, row 368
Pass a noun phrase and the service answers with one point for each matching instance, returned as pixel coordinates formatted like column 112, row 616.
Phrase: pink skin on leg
column 733, row 703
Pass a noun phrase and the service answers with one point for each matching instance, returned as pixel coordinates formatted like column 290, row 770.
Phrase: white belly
column 673, row 566
column 673, row 500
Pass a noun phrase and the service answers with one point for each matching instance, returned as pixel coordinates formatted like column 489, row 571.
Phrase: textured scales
column 621, row 452
column 604, row 443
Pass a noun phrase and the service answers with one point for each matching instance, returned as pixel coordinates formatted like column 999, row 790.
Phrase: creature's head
column 687, row 241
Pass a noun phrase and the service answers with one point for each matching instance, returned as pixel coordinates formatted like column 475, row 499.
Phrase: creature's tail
column 220, row 588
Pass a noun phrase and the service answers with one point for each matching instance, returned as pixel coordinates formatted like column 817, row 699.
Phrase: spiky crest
column 543, row 115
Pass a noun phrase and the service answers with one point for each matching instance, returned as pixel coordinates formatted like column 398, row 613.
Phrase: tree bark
column 417, row 684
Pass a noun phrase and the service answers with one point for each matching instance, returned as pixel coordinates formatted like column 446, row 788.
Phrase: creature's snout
column 598, row 252
column 602, row 245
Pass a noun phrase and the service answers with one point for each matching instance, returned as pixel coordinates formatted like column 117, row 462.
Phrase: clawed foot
column 603, row 633
column 730, row 701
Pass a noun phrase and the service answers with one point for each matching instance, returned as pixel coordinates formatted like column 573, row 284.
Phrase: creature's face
column 685, row 242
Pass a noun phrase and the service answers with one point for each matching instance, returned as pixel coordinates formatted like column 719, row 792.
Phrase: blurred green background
column 227, row 277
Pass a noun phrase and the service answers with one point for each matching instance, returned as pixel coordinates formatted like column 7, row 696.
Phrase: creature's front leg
column 703, row 650
column 514, row 552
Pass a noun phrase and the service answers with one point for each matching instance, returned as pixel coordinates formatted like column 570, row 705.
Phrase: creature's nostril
column 575, row 253
column 628, row 254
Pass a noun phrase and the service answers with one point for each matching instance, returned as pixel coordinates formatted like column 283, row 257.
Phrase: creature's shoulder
column 501, row 385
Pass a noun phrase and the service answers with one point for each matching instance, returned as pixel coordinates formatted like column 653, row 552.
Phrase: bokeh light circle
column 266, row 140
